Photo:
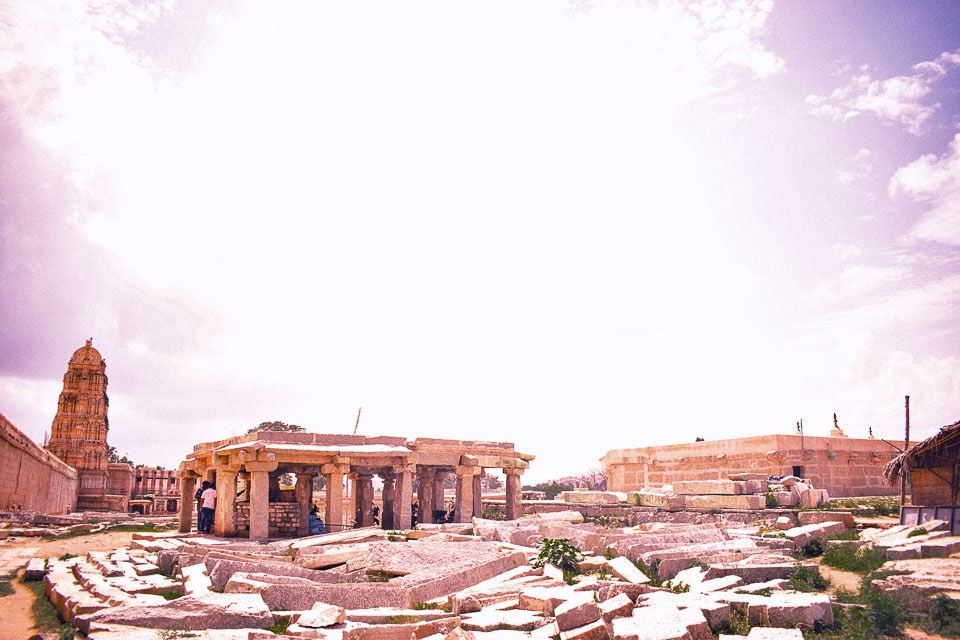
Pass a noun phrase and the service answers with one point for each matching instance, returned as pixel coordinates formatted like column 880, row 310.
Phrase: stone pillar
column 403, row 501
column 389, row 495
column 187, row 503
column 225, row 515
column 514, row 494
column 304, row 492
column 464, row 504
column 364, row 498
column 439, row 496
column 478, row 494
column 425, row 494
column 259, row 492
column 334, row 515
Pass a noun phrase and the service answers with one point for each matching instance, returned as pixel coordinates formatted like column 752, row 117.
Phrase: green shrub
column 803, row 578
column 944, row 616
column 771, row 500
column 888, row 611
column 812, row 549
column 652, row 571
column 560, row 553
column 919, row 531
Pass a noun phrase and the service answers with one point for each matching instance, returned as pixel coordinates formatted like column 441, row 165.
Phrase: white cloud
column 934, row 182
column 900, row 98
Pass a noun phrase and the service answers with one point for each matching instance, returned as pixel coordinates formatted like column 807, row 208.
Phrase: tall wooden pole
column 906, row 447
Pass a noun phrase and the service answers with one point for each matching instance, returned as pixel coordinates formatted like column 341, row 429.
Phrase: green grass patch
column 45, row 617
column 860, row 560
column 6, row 589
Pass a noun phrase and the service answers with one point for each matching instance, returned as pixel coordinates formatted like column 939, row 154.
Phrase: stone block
column 596, row 630
column 489, row 620
column 663, row 623
column 940, row 547
column 572, row 614
column 706, row 488
column 811, row 498
column 786, row 499
column 619, row 606
column 628, row 571
column 591, row 497
column 36, row 569
column 322, row 615
column 211, row 611
column 821, row 530
column 816, row 517
column 707, row 502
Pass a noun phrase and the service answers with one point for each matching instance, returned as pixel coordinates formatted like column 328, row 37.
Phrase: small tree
column 276, row 425
column 113, row 457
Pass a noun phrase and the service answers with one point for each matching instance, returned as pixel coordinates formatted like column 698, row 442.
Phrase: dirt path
column 16, row 617
column 840, row 579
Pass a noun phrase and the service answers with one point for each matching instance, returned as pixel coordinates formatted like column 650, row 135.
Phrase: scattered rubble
column 442, row 582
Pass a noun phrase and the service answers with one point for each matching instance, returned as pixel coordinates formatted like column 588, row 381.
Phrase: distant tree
column 113, row 457
column 699, row 439
column 490, row 483
column 551, row 488
column 276, row 425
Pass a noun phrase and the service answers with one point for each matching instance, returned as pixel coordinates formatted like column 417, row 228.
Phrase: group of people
column 206, row 506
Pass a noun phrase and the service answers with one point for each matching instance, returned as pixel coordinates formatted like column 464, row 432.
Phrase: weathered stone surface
column 573, row 614
column 751, row 502
column 35, row 570
column 662, row 623
column 322, row 615
column 706, row 488
column 625, row 569
column 597, row 630
column 619, row 606
column 211, row 611
column 815, row 517
column 489, row 620
column 359, row 631
column 820, row 531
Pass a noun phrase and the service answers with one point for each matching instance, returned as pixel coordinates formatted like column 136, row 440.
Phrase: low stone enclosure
column 479, row 581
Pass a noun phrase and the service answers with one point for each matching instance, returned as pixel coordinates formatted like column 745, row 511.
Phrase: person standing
column 208, row 500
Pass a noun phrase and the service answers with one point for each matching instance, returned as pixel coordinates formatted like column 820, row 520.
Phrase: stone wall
column 842, row 466
column 31, row 478
column 284, row 519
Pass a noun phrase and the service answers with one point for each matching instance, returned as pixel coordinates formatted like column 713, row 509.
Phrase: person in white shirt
column 208, row 501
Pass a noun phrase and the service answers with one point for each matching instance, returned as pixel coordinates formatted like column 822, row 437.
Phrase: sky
column 575, row 226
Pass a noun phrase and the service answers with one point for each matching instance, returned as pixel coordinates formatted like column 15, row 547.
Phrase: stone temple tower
column 79, row 432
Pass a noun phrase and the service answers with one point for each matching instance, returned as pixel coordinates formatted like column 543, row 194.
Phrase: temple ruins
column 246, row 472
column 840, row 465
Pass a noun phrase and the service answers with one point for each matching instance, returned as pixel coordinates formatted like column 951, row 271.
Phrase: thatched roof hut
column 932, row 466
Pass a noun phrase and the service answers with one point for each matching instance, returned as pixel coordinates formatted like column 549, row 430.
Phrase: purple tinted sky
column 577, row 227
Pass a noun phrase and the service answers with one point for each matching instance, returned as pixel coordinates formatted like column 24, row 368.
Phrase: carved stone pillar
column 389, row 495
column 478, row 494
column 187, row 503
column 334, row 474
column 439, row 493
column 403, row 500
column 425, row 494
column 260, row 498
column 225, row 515
column 364, row 497
column 304, row 492
column 514, row 494
column 464, row 503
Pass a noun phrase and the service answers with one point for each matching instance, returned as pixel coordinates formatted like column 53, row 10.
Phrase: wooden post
column 906, row 447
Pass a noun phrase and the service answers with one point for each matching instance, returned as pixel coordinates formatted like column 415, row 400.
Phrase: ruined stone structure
column 79, row 434
column 246, row 469
column 31, row 478
column 156, row 491
column 841, row 465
